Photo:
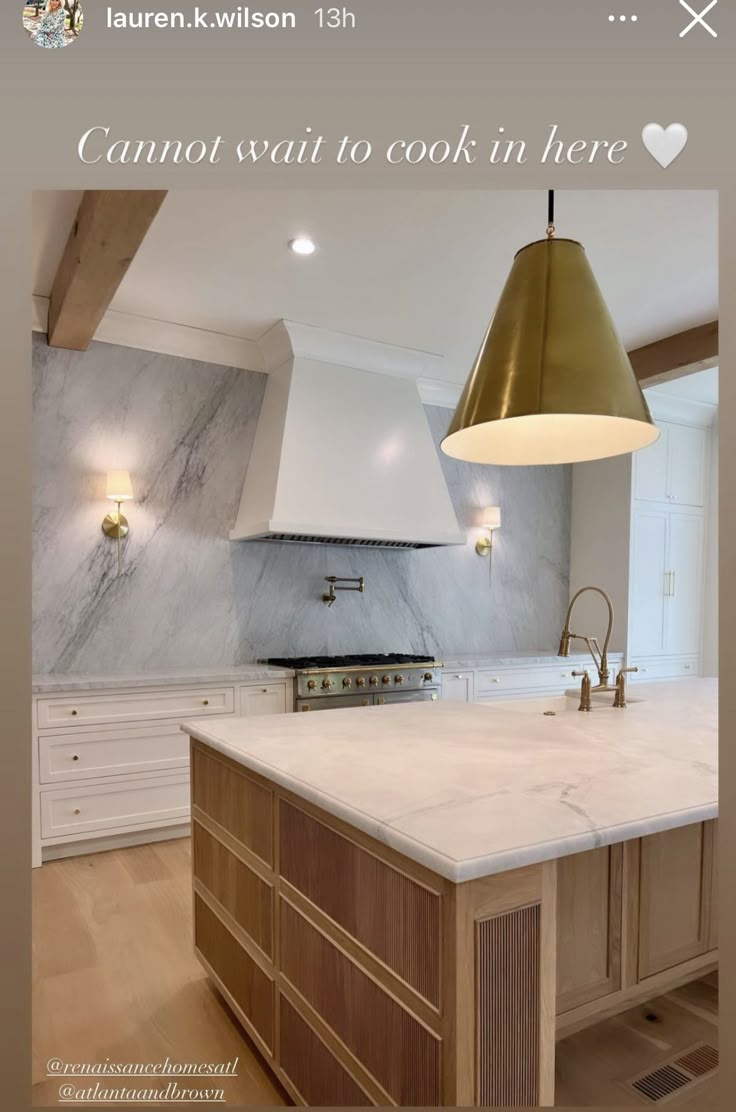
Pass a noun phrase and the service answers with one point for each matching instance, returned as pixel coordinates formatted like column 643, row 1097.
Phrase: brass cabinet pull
column 205, row 702
column 264, row 691
column 73, row 711
column 75, row 757
column 77, row 811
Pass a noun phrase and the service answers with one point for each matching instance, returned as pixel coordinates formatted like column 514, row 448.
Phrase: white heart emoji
column 664, row 143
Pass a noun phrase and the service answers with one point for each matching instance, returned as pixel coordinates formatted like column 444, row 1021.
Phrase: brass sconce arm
column 330, row 596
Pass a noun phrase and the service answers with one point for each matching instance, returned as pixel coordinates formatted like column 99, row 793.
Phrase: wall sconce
column 119, row 489
column 490, row 520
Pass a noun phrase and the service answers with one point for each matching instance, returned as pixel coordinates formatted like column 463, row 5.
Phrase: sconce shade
column 552, row 382
column 491, row 517
column 119, row 488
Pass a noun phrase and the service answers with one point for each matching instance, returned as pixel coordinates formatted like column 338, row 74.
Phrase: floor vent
column 687, row 1068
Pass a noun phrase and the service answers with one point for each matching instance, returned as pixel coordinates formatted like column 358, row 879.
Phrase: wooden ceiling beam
column 678, row 355
column 108, row 230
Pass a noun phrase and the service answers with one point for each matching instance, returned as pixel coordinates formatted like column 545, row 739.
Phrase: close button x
column 698, row 19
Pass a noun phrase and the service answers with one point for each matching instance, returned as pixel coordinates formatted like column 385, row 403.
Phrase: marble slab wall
column 187, row 596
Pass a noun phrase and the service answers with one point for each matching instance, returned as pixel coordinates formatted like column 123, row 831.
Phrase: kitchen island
column 408, row 905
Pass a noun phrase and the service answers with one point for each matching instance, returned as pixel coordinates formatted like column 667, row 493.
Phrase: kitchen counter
column 242, row 673
column 470, row 790
column 421, row 898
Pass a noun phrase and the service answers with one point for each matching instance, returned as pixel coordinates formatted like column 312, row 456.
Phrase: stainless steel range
column 331, row 682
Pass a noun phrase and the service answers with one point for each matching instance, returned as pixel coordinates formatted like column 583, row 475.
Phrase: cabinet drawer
column 265, row 699
column 663, row 668
column 509, row 680
column 83, row 754
column 80, row 810
column 458, row 687
column 68, row 710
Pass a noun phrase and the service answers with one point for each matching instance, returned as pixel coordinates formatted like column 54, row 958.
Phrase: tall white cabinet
column 640, row 529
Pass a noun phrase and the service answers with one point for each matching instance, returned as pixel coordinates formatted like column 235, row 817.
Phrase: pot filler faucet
column 600, row 656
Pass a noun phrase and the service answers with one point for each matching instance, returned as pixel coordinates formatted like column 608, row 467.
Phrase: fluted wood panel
column 309, row 1065
column 401, row 1054
column 395, row 918
column 237, row 803
column 249, row 986
column 240, row 891
column 507, row 1027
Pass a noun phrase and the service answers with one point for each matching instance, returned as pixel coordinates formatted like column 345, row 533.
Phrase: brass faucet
column 620, row 696
column 601, row 659
column 585, row 703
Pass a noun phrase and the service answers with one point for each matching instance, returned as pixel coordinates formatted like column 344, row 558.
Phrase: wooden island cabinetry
column 366, row 978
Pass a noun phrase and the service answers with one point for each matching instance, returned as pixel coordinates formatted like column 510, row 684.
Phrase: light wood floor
column 114, row 977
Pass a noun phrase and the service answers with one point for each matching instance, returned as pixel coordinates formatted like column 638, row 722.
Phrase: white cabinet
column 674, row 468
column 666, row 582
column 268, row 699
column 458, row 687
column 111, row 767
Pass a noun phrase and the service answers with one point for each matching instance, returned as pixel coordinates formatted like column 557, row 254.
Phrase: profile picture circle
column 53, row 23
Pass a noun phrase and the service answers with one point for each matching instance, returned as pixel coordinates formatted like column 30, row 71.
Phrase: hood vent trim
column 300, row 538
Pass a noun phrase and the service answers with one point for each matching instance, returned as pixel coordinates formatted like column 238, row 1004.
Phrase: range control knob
column 327, row 684
column 373, row 681
column 428, row 677
column 347, row 682
column 386, row 679
column 360, row 682
column 311, row 684
column 398, row 679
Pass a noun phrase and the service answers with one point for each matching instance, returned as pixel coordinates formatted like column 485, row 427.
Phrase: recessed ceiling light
column 302, row 245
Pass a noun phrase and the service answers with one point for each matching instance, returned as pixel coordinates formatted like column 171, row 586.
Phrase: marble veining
column 188, row 597
column 471, row 790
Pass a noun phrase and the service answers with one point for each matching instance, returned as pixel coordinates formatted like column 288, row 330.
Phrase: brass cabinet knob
column 398, row 679
column 74, row 712
column 306, row 706
column 347, row 682
column 360, row 682
column 205, row 702
column 75, row 757
column 77, row 811
column 386, row 679
column 311, row 684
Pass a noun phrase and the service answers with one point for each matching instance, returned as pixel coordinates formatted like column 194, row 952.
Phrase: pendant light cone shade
column 552, row 382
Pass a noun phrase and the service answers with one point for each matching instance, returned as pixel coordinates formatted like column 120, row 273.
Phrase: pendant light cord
column 550, row 213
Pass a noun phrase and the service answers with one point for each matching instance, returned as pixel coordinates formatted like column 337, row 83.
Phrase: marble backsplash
column 187, row 596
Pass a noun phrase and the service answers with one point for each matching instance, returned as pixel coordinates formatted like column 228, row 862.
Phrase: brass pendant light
column 552, row 382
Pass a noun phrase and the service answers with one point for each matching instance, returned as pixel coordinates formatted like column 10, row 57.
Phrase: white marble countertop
column 243, row 673
column 522, row 658
column 470, row 790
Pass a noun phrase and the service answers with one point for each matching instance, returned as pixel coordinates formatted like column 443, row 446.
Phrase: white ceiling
column 418, row 269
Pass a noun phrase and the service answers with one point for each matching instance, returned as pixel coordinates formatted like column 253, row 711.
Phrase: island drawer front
column 389, row 913
column 663, row 668
column 82, row 754
column 224, row 792
column 80, row 809
column 245, row 895
column 250, row 987
column 401, row 1054
column 177, row 703
column 319, row 1078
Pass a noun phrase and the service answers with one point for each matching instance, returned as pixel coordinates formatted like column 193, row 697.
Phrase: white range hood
column 342, row 455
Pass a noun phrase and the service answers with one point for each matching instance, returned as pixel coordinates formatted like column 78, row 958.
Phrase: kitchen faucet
column 600, row 656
